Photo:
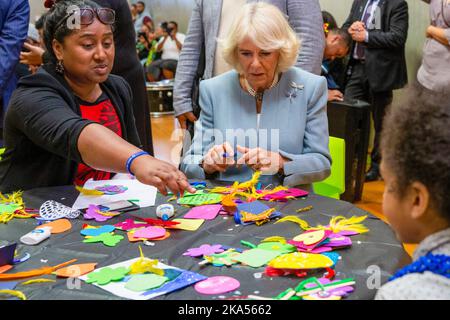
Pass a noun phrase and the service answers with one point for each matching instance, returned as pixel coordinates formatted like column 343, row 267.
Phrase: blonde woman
column 265, row 114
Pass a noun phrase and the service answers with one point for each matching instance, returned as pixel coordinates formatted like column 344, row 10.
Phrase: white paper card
column 144, row 193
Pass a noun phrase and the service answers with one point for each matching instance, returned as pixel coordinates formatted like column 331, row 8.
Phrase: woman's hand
column 260, row 159
column 335, row 95
column 33, row 57
column 160, row 174
column 218, row 158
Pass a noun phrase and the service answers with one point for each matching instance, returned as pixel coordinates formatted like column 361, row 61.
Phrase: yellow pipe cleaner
column 14, row 198
column 337, row 224
column 16, row 293
column 41, row 280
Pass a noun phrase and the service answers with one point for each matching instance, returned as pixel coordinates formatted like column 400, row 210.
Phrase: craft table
column 379, row 247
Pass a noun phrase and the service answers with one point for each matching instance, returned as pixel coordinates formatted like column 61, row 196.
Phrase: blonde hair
column 267, row 27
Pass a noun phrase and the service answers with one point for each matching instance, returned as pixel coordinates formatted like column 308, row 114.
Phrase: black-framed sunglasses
column 87, row 16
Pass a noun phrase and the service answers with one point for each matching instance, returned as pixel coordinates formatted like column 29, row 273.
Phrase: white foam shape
column 52, row 210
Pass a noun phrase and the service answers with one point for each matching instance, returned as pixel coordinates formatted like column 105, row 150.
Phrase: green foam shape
column 199, row 198
column 144, row 282
column 277, row 246
column 9, row 208
column 108, row 239
column 257, row 257
column 106, row 275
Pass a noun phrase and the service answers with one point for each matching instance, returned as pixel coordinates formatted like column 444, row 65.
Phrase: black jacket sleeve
column 396, row 36
column 46, row 119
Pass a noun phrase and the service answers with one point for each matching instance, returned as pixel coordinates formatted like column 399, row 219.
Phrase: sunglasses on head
column 87, row 16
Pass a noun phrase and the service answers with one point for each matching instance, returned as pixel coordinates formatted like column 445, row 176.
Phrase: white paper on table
column 118, row 288
column 144, row 193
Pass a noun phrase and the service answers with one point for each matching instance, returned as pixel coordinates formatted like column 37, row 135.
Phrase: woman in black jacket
column 72, row 120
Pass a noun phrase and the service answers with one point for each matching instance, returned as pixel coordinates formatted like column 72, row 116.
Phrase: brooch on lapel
column 294, row 87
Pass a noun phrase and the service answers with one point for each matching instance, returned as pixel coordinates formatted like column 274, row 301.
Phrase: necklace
column 438, row 264
column 259, row 95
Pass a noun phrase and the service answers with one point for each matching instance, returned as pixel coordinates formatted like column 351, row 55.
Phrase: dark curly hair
column 416, row 145
column 58, row 12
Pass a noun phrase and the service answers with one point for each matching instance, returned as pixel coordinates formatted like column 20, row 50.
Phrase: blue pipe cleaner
column 438, row 264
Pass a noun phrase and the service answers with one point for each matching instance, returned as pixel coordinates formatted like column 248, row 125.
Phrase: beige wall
column 36, row 9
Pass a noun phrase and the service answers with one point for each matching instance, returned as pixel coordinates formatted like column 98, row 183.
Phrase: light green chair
column 334, row 185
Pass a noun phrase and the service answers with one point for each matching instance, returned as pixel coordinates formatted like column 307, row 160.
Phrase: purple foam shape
column 204, row 249
column 91, row 213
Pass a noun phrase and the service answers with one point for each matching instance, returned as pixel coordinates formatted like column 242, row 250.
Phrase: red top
column 103, row 112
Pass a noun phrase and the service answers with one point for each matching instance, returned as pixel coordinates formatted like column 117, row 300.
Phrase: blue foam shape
column 186, row 279
column 10, row 285
column 96, row 232
column 334, row 256
column 254, row 207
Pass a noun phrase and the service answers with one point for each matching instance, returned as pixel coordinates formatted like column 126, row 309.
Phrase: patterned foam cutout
column 52, row 210
column 301, row 260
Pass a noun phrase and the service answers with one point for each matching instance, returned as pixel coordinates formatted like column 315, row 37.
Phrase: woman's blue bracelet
column 132, row 157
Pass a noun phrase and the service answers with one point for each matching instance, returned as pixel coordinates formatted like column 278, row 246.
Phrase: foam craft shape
column 92, row 213
column 106, row 275
column 93, row 232
column 75, row 270
column 131, row 237
column 301, row 260
column 217, row 285
column 7, row 254
column 311, row 237
column 34, row 272
column 157, row 222
column 204, row 249
column 144, row 282
column 282, row 248
column 130, row 224
column 226, row 258
column 150, row 232
column 58, row 226
column 207, row 212
column 284, row 194
column 5, row 268
column 110, row 189
column 186, row 278
column 9, row 208
column 256, row 258
column 188, row 224
column 110, row 240
column 199, row 198
column 255, row 207
column 52, row 210
column 329, row 294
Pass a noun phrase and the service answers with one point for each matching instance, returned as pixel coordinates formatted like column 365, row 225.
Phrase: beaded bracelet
column 132, row 157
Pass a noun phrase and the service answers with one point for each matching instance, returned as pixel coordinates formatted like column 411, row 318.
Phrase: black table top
column 377, row 250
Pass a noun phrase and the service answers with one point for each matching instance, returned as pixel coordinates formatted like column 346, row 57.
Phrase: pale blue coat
column 294, row 109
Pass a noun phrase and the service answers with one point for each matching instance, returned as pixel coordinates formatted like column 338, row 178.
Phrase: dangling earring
column 60, row 67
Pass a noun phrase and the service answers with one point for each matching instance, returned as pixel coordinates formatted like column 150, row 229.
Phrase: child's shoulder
column 416, row 286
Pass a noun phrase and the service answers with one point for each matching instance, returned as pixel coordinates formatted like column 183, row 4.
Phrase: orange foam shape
column 58, row 226
column 75, row 270
column 5, row 268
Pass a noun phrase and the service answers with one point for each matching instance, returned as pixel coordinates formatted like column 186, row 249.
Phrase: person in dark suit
column 377, row 64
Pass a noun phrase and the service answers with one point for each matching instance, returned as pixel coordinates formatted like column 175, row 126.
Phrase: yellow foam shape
column 188, row 224
column 310, row 238
column 301, row 260
column 89, row 192
column 275, row 239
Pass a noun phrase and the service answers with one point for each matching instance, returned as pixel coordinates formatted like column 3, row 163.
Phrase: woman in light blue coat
column 266, row 114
